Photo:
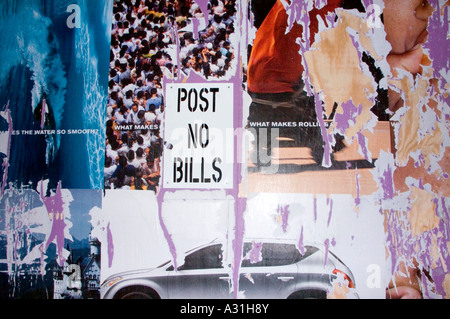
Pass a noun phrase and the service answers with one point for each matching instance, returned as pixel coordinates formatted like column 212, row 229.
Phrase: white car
column 269, row 270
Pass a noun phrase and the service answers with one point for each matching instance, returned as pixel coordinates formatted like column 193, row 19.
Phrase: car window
column 275, row 254
column 205, row 258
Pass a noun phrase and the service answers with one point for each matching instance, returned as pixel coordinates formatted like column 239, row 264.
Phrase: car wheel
column 309, row 294
column 136, row 292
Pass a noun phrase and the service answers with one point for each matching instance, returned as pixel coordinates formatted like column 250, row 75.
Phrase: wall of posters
column 224, row 149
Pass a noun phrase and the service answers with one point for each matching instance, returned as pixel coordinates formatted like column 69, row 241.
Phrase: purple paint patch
column 437, row 40
column 315, row 208
column 54, row 206
column 110, row 243
column 327, row 246
column 367, row 3
column 356, row 44
column 357, row 198
column 195, row 25
column 345, row 119
column 387, row 183
column 330, row 212
column 319, row 4
column 203, row 5
column 301, row 246
column 167, row 235
column 240, row 203
column 284, row 212
column 362, row 141
column 239, row 230
column 255, row 254
column 44, row 108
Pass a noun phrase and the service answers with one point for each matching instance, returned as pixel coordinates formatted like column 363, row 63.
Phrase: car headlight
column 111, row 281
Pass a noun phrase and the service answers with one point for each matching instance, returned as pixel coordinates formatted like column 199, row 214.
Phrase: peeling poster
column 225, row 149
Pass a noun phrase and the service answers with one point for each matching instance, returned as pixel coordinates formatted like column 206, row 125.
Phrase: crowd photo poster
column 224, row 149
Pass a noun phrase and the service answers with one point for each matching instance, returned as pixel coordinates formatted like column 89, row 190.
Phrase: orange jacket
column 275, row 63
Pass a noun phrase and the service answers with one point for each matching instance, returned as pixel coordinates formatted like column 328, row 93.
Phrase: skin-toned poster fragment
column 418, row 83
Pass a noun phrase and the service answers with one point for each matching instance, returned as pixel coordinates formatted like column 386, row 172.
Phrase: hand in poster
column 405, row 284
column 409, row 61
column 403, row 292
column 406, row 25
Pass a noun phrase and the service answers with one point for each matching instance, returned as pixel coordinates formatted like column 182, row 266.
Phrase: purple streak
column 5, row 163
column 301, row 246
column 315, row 208
column 362, row 141
column 54, row 206
column 110, row 243
column 284, row 212
column 330, row 212
column 255, row 253
column 327, row 246
column 44, row 107
column 357, row 198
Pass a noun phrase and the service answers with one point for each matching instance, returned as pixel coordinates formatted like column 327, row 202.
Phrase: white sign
column 199, row 127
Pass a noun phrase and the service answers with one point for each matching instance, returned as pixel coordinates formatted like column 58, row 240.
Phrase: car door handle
column 285, row 279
